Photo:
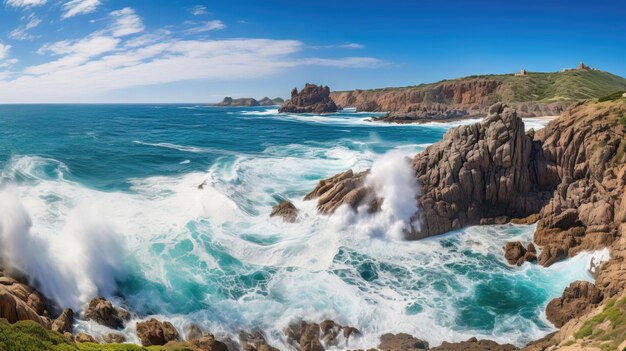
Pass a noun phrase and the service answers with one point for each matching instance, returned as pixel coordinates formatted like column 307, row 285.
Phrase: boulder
column 63, row 323
column 209, row 343
column 19, row 302
column 102, row 311
column 114, row 338
column 286, row 210
column 401, row 341
column 514, row 252
column 84, row 338
column 312, row 99
column 474, row 344
column 254, row 341
column 577, row 299
column 155, row 333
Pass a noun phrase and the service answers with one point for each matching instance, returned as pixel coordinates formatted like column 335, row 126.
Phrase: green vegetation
column 612, row 97
column 30, row 336
column 606, row 330
column 540, row 87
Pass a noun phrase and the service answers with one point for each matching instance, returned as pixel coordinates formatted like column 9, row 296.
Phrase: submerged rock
column 286, row 210
column 312, row 99
column 102, row 311
column 155, row 333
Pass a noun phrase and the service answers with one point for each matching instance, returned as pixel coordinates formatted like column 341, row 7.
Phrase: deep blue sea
column 105, row 200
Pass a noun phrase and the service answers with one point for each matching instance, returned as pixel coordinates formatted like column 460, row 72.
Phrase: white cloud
column 125, row 22
column 21, row 32
column 351, row 46
column 25, row 3
column 199, row 10
column 79, row 7
column 345, row 62
column 4, row 51
column 207, row 27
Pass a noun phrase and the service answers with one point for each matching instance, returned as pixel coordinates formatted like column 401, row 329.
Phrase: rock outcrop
column 578, row 298
column 286, row 210
column 247, row 102
column 305, row 336
column 516, row 253
column 474, row 344
column 401, row 341
column 254, row 341
column 155, row 333
column 475, row 174
column 63, row 323
column 19, row 302
column 102, row 311
column 312, row 99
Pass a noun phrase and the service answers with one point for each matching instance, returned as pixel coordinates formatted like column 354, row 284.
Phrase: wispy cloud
column 206, row 26
column 21, row 32
column 79, row 7
column 122, row 55
column 125, row 22
column 4, row 51
column 199, row 10
column 339, row 46
column 25, row 3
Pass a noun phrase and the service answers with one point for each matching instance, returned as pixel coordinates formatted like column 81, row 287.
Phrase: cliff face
column 532, row 95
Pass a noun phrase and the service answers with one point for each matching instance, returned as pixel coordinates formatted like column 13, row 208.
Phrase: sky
column 98, row 51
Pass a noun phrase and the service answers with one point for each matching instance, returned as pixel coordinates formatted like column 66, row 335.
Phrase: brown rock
column 514, row 252
column 286, row 210
column 254, row 341
column 208, row 343
column 101, row 311
column 312, row 99
column 155, row 333
column 114, row 338
column 20, row 302
column 577, row 299
column 192, row 331
column 84, row 338
column 64, row 322
column 474, row 345
column 401, row 341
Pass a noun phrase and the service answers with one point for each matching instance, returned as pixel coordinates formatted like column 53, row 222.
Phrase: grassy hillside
column 539, row 87
column 30, row 336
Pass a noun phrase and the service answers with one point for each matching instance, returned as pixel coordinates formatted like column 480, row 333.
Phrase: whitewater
column 105, row 200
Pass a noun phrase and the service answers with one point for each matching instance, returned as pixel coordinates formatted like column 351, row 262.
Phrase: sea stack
column 311, row 99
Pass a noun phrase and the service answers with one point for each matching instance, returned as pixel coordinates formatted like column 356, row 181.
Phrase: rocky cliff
column 532, row 95
column 311, row 99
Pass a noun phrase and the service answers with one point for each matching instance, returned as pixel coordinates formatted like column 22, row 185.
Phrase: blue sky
column 202, row 50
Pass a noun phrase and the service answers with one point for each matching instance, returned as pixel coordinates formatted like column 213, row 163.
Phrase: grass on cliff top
column 607, row 330
column 540, row 86
column 612, row 97
column 30, row 336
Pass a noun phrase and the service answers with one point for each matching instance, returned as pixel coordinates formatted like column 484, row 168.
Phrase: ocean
column 106, row 200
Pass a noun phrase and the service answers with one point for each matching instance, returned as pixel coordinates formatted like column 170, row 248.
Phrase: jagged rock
column 114, row 338
column 312, row 99
column 254, row 341
column 84, row 338
column 515, row 253
column 577, row 299
column 474, row 344
column 286, row 210
column 316, row 337
column 192, row 331
column 228, row 101
column 155, row 333
column 64, row 322
column 401, row 341
column 20, row 302
column 480, row 172
column 208, row 343
column 102, row 311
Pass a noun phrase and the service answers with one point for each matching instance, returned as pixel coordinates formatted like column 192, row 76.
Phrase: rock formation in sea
column 311, row 99
column 286, row 210
column 229, row 101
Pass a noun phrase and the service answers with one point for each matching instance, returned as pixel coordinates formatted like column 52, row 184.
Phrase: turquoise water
column 104, row 200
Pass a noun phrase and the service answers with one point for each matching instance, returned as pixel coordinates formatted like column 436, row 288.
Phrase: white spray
column 80, row 262
column 392, row 178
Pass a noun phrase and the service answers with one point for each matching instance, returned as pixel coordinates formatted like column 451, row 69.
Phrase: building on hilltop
column 581, row 67
column 521, row 73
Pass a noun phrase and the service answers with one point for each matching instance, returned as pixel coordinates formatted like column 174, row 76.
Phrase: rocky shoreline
column 570, row 178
